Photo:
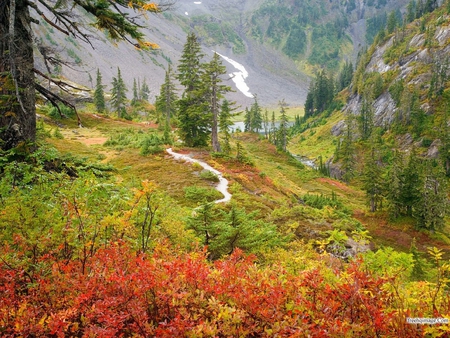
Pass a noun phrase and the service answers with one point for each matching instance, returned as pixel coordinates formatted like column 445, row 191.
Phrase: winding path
column 222, row 186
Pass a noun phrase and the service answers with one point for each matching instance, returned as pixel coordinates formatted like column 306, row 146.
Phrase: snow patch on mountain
column 239, row 76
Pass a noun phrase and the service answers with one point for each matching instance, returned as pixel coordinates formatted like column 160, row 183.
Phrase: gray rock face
column 433, row 150
column 336, row 171
column 338, row 128
column 419, row 56
column 384, row 109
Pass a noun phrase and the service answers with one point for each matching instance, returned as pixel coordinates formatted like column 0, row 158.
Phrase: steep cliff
column 406, row 77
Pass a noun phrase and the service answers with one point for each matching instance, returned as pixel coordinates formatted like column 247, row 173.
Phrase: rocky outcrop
column 415, row 66
column 335, row 169
column 433, row 150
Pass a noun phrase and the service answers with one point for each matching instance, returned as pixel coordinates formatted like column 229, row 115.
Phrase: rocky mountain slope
column 227, row 27
column 401, row 85
column 411, row 62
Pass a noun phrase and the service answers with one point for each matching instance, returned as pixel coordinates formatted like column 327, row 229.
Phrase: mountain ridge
column 272, row 75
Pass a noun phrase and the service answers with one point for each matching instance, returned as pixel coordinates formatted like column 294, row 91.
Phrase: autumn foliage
column 175, row 294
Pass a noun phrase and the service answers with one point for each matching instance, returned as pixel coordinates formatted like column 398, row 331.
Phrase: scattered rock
column 384, row 109
column 338, row 128
column 405, row 141
column 442, row 35
column 433, row 150
column 336, row 171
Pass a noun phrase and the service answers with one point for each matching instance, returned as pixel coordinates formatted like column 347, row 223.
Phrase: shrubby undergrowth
column 84, row 254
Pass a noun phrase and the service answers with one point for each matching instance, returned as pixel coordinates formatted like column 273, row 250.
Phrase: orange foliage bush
column 172, row 294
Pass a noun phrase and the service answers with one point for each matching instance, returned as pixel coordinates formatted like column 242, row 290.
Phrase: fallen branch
column 54, row 98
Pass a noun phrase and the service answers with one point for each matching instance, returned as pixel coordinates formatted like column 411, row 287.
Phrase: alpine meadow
column 235, row 168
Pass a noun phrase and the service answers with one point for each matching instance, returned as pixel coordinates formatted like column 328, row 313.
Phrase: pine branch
column 54, row 98
column 70, row 26
column 59, row 83
column 35, row 7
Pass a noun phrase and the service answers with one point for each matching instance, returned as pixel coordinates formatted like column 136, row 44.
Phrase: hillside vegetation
column 103, row 233
column 389, row 135
column 100, row 239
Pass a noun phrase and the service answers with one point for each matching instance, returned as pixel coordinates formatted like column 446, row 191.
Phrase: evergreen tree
column 144, row 91
column 430, row 6
column 441, row 68
column 225, row 123
column 418, row 270
column 373, row 180
column 99, row 96
column 167, row 138
column 190, row 67
column 323, row 91
column 166, row 101
column 420, row 9
column 241, row 155
column 412, row 182
column 347, row 150
column 365, row 119
column 223, row 231
column 345, row 76
column 394, row 185
column 418, row 116
column 411, row 11
column 444, row 135
column 256, row 117
column 214, row 91
column 273, row 130
column 248, row 120
column 135, row 98
column 203, row 223
column 193, row 118
column 239, row 229
column 266, row 123
column 309, row 103
column 403, row 114
column 320, row 94
column 391, row 22
column 283, row 127
column 17, row 47
column 118, row 95
column 431, row 205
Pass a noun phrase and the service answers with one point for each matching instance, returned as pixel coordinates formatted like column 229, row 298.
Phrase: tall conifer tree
column 167, row 99
column 266, row 123
column 256, row 116
column 214, row 91
column 365, row 118
column 99, row 96
column 194, row 121
column 283, row 128
column 118, row 95
column 135, row 98
column 247, row 119
column 347, row 150
column 394, row 185
column 431, row 207
column 412, row 182
column 373, row 180
column 144, row 91
column 273, row 130
column 225, row 123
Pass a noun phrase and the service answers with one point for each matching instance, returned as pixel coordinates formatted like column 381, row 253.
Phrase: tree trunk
column 215, row 113
column 17, row 90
